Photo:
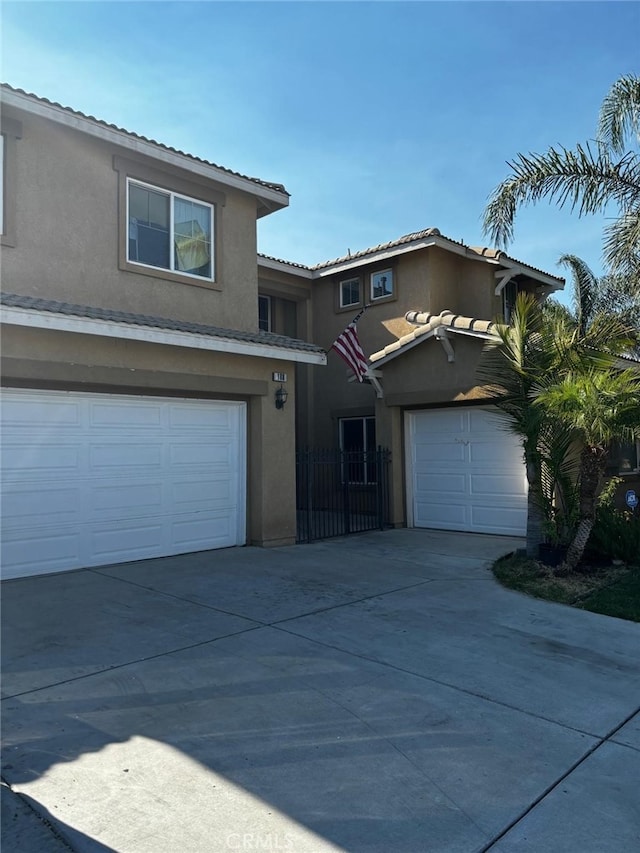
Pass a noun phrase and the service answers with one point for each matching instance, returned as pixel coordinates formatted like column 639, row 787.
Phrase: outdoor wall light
column 281, row 397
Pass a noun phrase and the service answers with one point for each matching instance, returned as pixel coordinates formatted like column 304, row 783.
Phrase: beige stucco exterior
column 68, row 246
column 69, row 231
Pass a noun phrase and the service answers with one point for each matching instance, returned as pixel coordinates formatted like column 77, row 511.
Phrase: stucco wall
column 67, row 234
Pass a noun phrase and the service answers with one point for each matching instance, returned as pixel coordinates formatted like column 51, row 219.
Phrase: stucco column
column 271, row 470
column 389, row 423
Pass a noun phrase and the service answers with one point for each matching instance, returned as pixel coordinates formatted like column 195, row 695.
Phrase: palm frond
column 620, row 113
column 582, row 179
column 585, row 287
column 622, row 245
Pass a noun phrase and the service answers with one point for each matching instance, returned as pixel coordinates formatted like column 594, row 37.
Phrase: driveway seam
column 132, row 663
column 440, row 682
column 606, row 739
column 277, row 621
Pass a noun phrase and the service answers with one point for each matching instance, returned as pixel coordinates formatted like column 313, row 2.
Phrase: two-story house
column 143, row 406
column 157, row 379
column 429, row 304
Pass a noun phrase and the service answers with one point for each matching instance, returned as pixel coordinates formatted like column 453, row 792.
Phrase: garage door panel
column 444, row 515
column 188, row 419
column 119, row 478
column 451, row 484
column 32, row 458
column 35, row 413
column 492, row 519
column 53, row 551
column 216, row 454
column 123, row 456
column 206, row 494
column 496, row 486
column 122, row 542
column 129, row 416
column 213, row 525
column 466, row 472
column 123, row 500
column 439, row 453
column 27, row 505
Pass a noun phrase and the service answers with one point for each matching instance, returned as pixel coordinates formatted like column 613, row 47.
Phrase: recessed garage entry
column 93, row 479
column 465, row 472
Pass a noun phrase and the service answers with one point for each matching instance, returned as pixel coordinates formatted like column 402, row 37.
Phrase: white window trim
column 350, row 281
column 172, row 195
column 389, row 272
column 269, row 312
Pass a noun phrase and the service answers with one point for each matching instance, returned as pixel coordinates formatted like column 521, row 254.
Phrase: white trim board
column 168, row 337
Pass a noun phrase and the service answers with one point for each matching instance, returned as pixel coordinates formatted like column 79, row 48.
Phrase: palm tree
column 514, row 365
column 590, row 178
column 598, row 406
column 614, row 295
column 522, row 368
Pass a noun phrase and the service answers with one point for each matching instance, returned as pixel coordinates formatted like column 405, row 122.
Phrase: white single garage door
column 93, row 479
column 465, row 471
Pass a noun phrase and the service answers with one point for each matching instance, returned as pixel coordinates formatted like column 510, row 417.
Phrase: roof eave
column 270, row 199
column 344, row 264
column 34, row 318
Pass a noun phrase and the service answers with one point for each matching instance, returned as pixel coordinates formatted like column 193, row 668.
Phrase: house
column 429, row 304
column 158, row 373
column 142, row 405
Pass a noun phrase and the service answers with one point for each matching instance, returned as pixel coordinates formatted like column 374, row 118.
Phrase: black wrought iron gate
column 341, row 492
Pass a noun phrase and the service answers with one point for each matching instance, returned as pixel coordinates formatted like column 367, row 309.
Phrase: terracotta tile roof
column 282, row 261
column 32, row 303
column 416, row 236
column 427, row 324
column 268, row 184
column 381, row 247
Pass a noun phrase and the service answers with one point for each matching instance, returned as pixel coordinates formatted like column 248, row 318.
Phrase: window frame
column 367, row 467
column 182, row 184
column 387, row 296
column 341, row 303
column 508, row 304
column 11, row 133
column 172, row 195
column 269, row 303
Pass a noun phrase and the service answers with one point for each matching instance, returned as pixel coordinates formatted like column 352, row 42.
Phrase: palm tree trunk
column 535, row 515
column 592, row 466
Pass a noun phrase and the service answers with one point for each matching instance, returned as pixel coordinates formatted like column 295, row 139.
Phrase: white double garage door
column 93, row 479
column 465, row 471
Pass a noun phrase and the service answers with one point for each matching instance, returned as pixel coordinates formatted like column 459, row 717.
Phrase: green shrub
column 616, row 533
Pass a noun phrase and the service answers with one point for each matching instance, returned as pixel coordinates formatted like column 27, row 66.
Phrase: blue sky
column 380, row 118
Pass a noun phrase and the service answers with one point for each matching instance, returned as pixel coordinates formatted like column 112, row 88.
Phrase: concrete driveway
column 378, row 693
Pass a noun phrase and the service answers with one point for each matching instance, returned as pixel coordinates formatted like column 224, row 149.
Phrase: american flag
column 347, row 345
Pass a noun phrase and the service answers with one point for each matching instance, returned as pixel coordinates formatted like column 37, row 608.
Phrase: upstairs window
column 381, row 284
column 169, row 231
column 349, row 292
column 264, row 313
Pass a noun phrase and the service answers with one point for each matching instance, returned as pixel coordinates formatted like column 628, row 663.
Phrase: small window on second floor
column 169, row 231
column 509, row 296
column 381, row 284
column 264, row 313
column 349, row 292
